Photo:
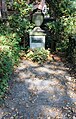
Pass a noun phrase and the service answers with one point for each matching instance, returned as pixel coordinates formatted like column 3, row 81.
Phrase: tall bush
column 20, row 19
column 64, row 25
column 9, row 55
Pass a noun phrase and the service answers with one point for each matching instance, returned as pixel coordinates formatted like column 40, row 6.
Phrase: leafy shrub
column 10, row 43
column 62, row 46
column 39, row 55
column 5, row 71
column 9, row 55
column 19, row 21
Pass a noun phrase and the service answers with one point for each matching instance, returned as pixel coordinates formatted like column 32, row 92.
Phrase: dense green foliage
column 9, row 55
column 5, row 71
column 63, row 27
column 39, row 55
column 20, row 19
column 11, row 33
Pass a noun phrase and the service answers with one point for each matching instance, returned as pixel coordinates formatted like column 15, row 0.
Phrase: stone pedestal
column 37, row 38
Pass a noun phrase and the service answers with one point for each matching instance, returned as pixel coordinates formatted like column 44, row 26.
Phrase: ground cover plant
column 39, row 55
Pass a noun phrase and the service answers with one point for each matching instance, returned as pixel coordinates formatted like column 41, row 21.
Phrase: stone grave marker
column 37, row 35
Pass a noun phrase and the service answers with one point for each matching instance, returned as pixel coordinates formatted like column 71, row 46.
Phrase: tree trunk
column 0, row 10
column 4, row 9
column 53, row 46
column 52, row 12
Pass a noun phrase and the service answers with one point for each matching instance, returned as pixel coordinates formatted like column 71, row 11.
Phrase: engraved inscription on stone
column 36, row 40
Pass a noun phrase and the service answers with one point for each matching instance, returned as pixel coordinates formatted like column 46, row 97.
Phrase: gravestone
column 37, row 35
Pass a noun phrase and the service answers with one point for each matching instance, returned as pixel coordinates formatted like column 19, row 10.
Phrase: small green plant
column 39, row 55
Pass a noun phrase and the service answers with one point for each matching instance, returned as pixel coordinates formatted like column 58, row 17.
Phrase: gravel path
column 40, row 92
